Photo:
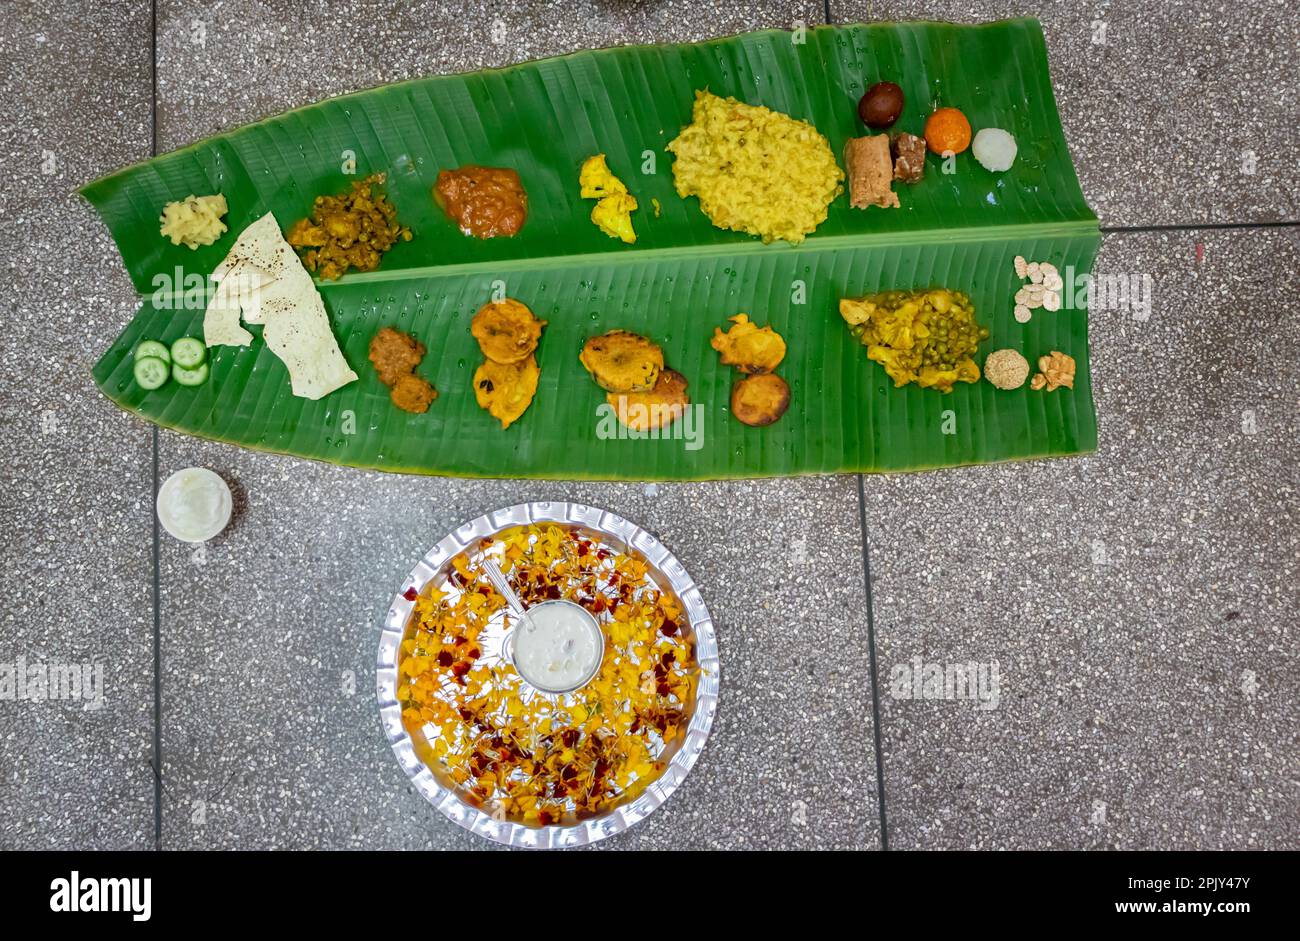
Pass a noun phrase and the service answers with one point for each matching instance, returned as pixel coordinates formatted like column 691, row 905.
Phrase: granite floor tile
column 1139, row 603
column 205, row 54
column 271, row 736
column 76, row 501
column 1176, row 112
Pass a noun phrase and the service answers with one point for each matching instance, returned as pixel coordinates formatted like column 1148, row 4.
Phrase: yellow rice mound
column 755, row 170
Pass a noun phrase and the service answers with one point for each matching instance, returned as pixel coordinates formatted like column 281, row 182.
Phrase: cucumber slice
column 188, row 352
column 190, row 377
column 150, row 372
column 155, row 349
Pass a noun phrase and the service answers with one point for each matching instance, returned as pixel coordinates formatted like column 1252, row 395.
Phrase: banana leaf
column 681, row 279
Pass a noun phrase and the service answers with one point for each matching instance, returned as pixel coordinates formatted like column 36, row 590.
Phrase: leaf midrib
column 738, row 249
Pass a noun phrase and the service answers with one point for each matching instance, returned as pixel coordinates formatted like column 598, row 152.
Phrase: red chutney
column 484, row 201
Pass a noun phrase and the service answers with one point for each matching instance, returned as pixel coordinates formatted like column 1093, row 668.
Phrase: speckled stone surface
column 1140, row 603
column 271, row 735
column 1176, row 112
column 205, row 54
column 75, row 505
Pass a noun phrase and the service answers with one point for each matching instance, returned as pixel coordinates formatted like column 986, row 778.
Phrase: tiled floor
column 1176, row 112
column 1138, row 604
column 76, row 533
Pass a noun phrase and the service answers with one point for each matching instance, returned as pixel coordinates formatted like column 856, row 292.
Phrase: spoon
column 498, row 580
column 509, row 644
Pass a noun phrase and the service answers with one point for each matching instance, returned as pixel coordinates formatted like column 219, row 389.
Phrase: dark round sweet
column 881, row 105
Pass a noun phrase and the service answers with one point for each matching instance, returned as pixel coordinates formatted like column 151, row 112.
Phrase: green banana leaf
column 681, row 279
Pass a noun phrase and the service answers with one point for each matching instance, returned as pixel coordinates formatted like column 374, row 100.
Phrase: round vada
column 506, row 389
column 760, row 400
column 620, row 361
column 506, row 330
column 661, row 406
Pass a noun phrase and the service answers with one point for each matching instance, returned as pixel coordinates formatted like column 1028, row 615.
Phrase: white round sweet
column 995, row 149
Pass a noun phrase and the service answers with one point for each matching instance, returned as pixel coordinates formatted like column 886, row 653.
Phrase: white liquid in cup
column 194, row 504
column 557, row 646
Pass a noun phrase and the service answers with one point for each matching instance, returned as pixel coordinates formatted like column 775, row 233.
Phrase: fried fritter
column 506, row 389
column 749, row 348
column 659, row 407
column 394, row 354
column 760, row 400
column 613, row 215
column 507, row 331
column 620, row 361
column 412, row 394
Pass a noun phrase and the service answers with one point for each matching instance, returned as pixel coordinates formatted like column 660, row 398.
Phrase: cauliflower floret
column 597, row 180
column 856, row 310
column 898, row 364
column 964, row 370
column 901, row 328
column 614, row 216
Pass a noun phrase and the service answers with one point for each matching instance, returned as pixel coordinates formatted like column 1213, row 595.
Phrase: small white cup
column 194, row 504
column 582, row 618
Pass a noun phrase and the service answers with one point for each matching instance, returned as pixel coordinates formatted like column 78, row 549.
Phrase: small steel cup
column 508, row 647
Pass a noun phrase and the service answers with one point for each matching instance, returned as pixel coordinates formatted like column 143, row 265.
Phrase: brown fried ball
column 659, row 407
column 620, row 361
column 506, row 389
column 760, row 400
column 413, row 394
column 394, row 354
column 747, row 347
column 507, row 331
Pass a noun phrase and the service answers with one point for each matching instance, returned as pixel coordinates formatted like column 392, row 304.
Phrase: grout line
column 157, row 664
column 871, row 630
column 1192, row 226
column 157, row 612
column 1172, row 227
column 866, row 560
column 871, row 657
